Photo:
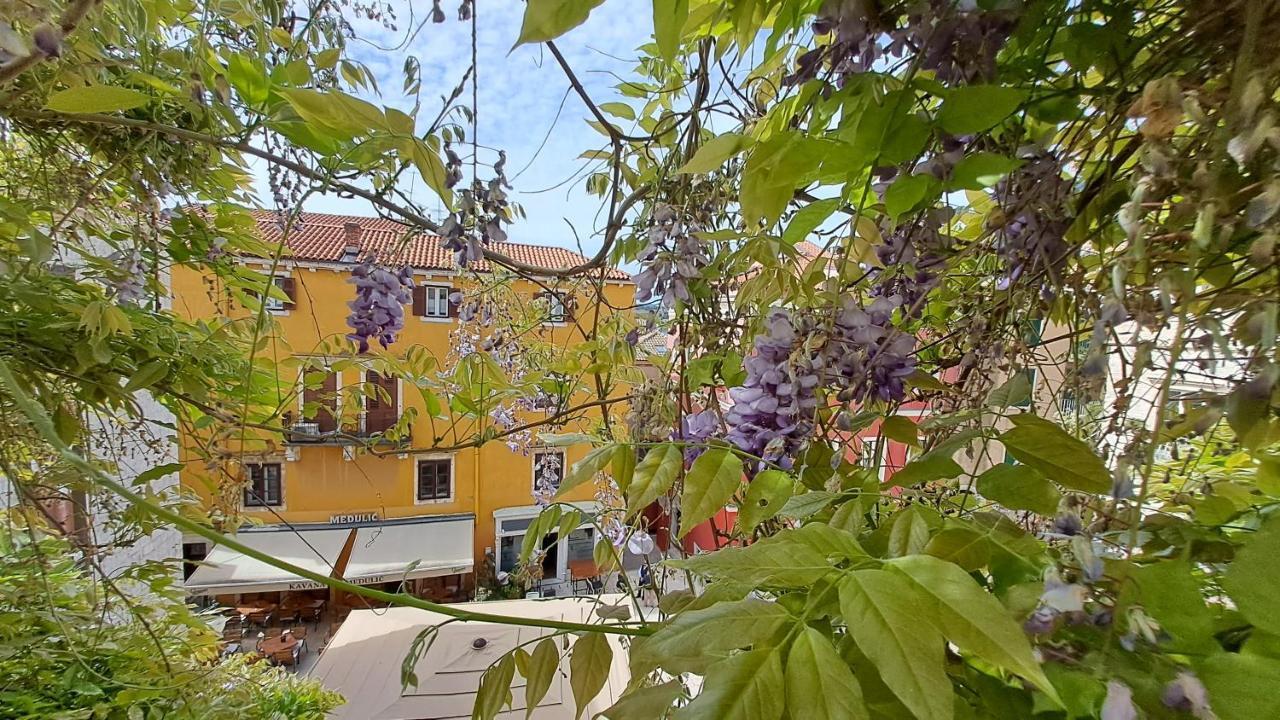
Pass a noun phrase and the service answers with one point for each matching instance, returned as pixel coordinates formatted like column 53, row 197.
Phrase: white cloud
column 519, row 93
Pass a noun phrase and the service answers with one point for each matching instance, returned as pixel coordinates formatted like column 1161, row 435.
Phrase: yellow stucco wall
column 321, row 481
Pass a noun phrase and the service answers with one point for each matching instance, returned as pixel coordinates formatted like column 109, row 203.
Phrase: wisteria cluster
column 673, row 257
column 548, row 470
column 958, row 41
column 912, row 256
column 378, row 309
column 483, row 209
column 696, row 429
column 773, row 410
column 1035, row 216
column 866, row 356
column 129, row 287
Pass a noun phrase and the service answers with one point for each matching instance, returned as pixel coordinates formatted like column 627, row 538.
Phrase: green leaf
column 1170, row 593
column 619, row 109
column 900, row 428
column 96, row 99
column 1241, row 687
column 653, row 476
column 431, row 168
column 1014, row 391
column 541, row 671
column 974, row 108
column 586, row 468
column 892, row 625
column 972, row 618
column 495, row 689
column 589, row 668
column 624, row 466
column 645, row 703
column 905, row 193
column 1059, row 456
column 820, row 684
column 910, row 533
column 714, row 153
column 961, row 545
column 1253, row 580
column 549, row 19
column 249, row 77
column 696, row 638
column 1019, row 487
column 157, row 472
column 149, row 374
column 767, row 492
column 981, row 170
column 669, row 17
column 809, row 218
column 709, row 485
column 802, row 506
column 931, row 466
column 787, row 559
column 747, row 686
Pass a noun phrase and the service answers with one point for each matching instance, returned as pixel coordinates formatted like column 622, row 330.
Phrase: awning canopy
column 385, row 552
column 363, row 662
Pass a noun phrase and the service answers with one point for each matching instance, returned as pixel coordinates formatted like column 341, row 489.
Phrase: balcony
column 311, row 433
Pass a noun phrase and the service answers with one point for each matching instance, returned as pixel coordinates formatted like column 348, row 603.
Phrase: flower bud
column 48, row 39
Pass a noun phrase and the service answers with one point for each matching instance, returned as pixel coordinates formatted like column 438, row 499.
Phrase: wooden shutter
column 420, row 300
column 453, row 306
column 290, row 291
column 326, row 396
column 570, row 303
column 379, row 412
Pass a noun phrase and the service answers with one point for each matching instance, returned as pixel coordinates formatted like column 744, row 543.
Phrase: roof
column 322, row 238
column 806, row 253
column 363, row 661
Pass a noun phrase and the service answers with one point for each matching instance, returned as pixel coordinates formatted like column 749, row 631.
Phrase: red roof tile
column 322, row 237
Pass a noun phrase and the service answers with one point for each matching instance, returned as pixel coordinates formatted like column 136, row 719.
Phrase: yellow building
column 319, row 497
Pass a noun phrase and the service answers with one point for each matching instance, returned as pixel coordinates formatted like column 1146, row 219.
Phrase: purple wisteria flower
column 696, row 428
column 129, row 287
column 958, row 41
column 1033, row 201
column 773, row 411
column 673, row 258
column 378, row 310
column 867, row 357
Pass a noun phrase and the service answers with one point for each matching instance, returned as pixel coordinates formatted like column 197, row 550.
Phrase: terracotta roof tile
column 322, row 238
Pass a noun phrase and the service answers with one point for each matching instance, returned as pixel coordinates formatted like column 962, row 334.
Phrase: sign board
column 346, row 518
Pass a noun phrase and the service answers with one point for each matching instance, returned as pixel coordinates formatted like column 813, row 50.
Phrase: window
column 432, row 301
column 264, row 485
column 548, row 472
column 435, row 479
column 557, row 309
column 274, row 304
column 869, row 452
column 437, row 301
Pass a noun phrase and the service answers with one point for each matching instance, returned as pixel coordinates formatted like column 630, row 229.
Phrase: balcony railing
column 309, row 433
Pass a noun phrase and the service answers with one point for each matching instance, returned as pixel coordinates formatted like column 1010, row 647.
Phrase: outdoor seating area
column 284, row 633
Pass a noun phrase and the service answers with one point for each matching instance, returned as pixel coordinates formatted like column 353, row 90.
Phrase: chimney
column 351, row 241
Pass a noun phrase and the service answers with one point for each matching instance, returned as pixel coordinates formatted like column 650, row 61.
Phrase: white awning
column 363, row 662
column 387, row 552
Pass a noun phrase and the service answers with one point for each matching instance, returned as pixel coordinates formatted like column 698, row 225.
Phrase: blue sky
column 519, row 95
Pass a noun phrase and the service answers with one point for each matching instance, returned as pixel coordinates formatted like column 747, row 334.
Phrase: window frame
column 557, row 309
column 263, row 498
column 273, row 305
column 418, row 498
column 442, row 300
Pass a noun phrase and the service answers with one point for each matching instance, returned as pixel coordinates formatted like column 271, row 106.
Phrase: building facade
column 331, row 495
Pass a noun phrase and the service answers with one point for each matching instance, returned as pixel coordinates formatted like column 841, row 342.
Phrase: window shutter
column 380, row 413
column 570, row 305
column 273, row 485
column 420, row 300
column 454, row 304
column 290, row 291
column 326, row 396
